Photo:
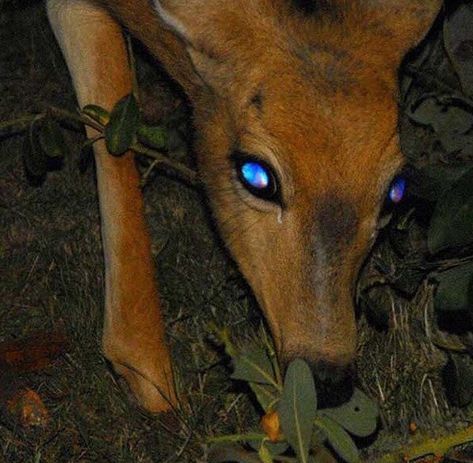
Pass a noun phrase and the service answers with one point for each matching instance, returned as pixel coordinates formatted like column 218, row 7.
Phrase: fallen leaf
column 27, row 407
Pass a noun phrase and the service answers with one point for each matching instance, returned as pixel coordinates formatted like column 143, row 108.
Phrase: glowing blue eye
column 255, row 175
column 397, row 190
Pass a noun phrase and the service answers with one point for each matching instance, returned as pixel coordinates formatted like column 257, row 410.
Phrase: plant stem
column 21, row 124
column 188, row 175
column 18, row 125
column 237, row 438
column 62, row 114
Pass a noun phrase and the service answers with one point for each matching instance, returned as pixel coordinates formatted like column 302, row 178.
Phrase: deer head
column 295, row 106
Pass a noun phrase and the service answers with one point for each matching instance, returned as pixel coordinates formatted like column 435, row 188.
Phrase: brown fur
column 312, row 91
column 133, row 338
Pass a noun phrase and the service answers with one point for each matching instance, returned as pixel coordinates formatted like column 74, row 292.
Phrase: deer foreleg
column 133, row 338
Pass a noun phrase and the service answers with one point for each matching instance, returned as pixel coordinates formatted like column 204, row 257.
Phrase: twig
column 144, row 177
column 188, row 175
column 237, row 438
column 20, row 124
column 132, row 64
column 62, row 114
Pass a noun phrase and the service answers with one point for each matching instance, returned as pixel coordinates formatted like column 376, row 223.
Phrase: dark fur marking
column 336, row 223
column 327, row 66
column 317, row 8
column 257, row 100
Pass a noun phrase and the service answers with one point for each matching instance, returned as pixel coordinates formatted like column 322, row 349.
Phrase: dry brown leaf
column 27, row 407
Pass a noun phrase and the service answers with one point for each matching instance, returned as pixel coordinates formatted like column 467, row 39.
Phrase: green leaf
column 359, row 415
column 51, row 140
column 96, row 113
column 425, row 112
column 431, row 181
column 264, row 454
column 452, row 221
column 86, row 155
column 231, row 453
column 458, row 378
column 34, row 159
column 458, row 42
column 298, row 407
column 276, row 448
column 451, row 122
column 254, row 366
column 321, row 454
column 154, row 136
column 266, row 395
column 121, row 129
column 338, row 438
column 455, row 289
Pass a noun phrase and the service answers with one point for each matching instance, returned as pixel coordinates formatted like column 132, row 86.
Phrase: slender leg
column 133, row 339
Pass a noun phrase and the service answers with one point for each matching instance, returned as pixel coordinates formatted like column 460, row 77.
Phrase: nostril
column 334, row 383
column 334, row 378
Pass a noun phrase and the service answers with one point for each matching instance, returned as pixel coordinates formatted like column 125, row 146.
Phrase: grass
column 51, row 275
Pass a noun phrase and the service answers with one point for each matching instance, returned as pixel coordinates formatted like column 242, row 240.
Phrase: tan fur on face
column 327, row 121
column 319, row 149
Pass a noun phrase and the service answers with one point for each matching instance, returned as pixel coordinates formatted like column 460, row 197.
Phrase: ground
column 51, row 274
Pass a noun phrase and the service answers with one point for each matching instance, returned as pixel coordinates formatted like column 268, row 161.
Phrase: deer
column 295, row 109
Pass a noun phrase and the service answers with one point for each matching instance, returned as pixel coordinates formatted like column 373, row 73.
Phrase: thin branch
column 18, row 125
column 145, row 176
column 62, row 114
column 251, row 436
column 190, row 176
column 22, row 123
column 185, row 173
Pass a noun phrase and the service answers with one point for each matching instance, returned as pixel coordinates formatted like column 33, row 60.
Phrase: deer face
column 296, row 120
column 296, row 177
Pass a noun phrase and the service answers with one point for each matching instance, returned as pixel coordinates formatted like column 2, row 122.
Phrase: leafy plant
column 431, row 240
column 122, row 129
column 294, row 429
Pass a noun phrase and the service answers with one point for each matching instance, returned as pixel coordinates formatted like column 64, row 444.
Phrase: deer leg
column 133, row 338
